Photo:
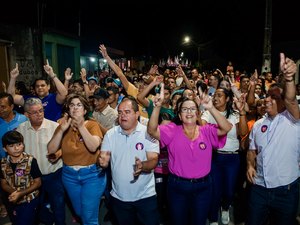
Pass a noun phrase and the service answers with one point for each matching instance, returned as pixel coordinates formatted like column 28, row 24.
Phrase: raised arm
column 118, row 71
column 152, row 127
column 223, row 124
column 68, row 77
column 142, row 96
column 18, row 99
column 61, row 91
column 289, row 68
column 181, row 73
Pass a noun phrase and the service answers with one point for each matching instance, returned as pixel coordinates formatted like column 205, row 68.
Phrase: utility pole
column 266, row 64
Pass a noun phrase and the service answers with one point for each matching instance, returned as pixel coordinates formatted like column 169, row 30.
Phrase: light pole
column 188, row 40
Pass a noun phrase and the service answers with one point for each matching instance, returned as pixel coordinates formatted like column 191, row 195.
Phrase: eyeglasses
column 79, row 105
column 185, row 110
column 35, row 113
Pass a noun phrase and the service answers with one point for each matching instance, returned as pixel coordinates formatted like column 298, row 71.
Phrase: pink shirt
column 190, row 159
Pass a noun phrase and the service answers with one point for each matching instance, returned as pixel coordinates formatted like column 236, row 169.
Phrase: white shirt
column 124, row 148
column 36, row 144
column 277, row 143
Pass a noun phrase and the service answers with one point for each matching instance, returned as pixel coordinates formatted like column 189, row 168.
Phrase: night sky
column 233, row 28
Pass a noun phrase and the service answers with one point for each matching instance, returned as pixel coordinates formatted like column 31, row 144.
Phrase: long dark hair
column 229, row 104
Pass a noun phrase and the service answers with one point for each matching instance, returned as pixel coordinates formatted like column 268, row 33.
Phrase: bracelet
column 53, row 76
column 242, row 114
column 286, row 80
column 85, row 82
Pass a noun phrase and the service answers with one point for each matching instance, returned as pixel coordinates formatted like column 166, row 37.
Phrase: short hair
column 30, row 102
column 8, row 96
column 41, row 78
column 82, row 99
column 12, row 137
column 115, row 90
column 133, row 101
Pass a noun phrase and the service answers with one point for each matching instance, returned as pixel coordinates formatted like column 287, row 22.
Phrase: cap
column 100, row 93
column 118, row 82
column 93, row 78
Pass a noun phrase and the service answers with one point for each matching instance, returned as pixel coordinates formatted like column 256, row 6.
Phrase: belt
column 227, row 152
column 191, row 180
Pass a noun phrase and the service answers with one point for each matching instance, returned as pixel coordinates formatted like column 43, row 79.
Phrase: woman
column 226, row 161
column 189, row 150
column 79, row 139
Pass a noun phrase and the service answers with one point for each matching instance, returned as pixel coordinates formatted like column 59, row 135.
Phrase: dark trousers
column 25, row 213
column 52, row 192
column 143, row 211
column 224, row 172
column 279, row 205
column 189, row 200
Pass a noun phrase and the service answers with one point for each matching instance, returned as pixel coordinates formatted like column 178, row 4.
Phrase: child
column 20, row 179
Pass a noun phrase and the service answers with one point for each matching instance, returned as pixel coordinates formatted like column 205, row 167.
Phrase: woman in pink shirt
column 190, row 151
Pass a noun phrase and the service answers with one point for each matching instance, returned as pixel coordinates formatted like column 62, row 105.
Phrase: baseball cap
column 100, row 93
column 118, row 82
column 93, row 78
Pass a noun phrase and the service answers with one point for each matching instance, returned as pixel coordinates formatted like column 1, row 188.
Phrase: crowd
column 164, row 146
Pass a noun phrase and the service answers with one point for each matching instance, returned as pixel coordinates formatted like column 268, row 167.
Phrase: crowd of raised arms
column 167, row 146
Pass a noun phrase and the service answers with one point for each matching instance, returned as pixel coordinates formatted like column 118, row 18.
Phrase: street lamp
column 188, row 40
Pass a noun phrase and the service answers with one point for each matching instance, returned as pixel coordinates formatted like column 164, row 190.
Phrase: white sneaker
column 214, row 223
column 225, row 217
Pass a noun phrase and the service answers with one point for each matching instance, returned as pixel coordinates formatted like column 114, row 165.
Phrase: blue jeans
column 85, row 188
column 143, row 211
column 224, row 172
column 279, row 205
column 189, row 200
column 52, row 191
column 25, row 213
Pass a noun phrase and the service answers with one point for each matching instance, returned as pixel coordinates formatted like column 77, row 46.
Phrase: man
column 113, row 97
column 37, row 132
column 133, row 155
column 52, row 102
column 103, row 113
column 272, row 158
column 9, row 120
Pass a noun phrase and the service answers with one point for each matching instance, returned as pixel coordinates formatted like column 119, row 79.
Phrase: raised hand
column 253, row 78
column 48, row 69
column 288, row 67
column 240, row 102
column 68, row 74
column 159, row 98
column 205, row 100
column 153, row 70
column 15, row 72
column 103, row 51
column 83, row 74
column 65, row 122
column 77, row 121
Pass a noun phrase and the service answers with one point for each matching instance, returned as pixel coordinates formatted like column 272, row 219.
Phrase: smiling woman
column 190, row 150
column 79, row 138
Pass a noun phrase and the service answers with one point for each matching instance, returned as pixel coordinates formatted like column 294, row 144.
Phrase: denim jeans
column 189, row 200
column 143, row 211
column 85, row 188
column 224, row 172
column 279, row 205
column 52, row 191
